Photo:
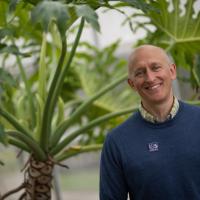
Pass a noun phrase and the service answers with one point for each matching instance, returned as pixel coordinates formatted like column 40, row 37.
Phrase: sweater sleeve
column 112, row 182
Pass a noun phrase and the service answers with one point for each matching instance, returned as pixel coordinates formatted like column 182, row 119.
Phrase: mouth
column 153, row 87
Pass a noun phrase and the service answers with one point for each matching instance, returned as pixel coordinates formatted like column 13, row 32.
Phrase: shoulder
column 190, row 107
column 189, row 110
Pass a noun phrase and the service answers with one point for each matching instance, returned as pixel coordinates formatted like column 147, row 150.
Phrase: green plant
column 33, row 114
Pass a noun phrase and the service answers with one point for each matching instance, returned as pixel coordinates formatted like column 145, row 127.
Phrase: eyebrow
column 138, row 70
column 155, row 63
column 141, row 67
column 151, row 64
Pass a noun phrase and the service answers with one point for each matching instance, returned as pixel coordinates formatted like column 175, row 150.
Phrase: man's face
column 151, row 76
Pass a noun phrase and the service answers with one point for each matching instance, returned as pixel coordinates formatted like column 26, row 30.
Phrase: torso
column 161, row 161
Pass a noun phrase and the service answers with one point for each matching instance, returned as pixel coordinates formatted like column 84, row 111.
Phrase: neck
column 160, row 110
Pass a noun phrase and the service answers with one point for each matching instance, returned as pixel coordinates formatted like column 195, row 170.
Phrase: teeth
column 154, row 87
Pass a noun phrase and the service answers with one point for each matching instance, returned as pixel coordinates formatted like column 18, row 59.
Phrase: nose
column 150, row 76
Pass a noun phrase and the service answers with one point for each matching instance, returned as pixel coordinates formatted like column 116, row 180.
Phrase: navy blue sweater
column 153, row 161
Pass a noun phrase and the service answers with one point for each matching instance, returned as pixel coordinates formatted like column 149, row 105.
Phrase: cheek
column 167, row 76
column 138, row 86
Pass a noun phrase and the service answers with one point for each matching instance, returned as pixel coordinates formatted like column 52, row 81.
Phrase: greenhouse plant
column 37, row 110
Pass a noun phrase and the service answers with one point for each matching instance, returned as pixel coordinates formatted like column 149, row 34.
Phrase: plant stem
column 42, row 69
column 56, row 87
column 40, row 107
column 19, row 145
column 90, row 125
column 73, row 103
column 72, row 151
column 14, row 122
column 49, row 108
column 61, row 129
column 35, row 148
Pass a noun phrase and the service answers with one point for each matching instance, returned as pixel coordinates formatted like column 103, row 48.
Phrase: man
column 155, row 154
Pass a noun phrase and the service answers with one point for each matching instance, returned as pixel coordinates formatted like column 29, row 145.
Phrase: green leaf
column 13, row 4
column 73, row 15
column 95, row 68
column 195, row 73
column 48, row 11
column 5, row 32
column 12, row 49
column 89, row 14
column 139, row 4
column 180, row 31
column 6, row 78
column 7, row 83
column 75, row 150
column 34, row 146
column 1, row 89
column 3, row 13
column 3, row 136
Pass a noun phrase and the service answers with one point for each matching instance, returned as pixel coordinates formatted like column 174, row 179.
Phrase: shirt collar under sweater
column 149, row 117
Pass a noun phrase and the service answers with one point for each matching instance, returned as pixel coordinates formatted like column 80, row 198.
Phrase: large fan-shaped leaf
column 182, row 29
column 139, row 4
column 47, row 11
column 88, row 13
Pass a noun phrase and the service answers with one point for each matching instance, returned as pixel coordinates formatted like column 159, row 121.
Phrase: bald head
column 142, row 52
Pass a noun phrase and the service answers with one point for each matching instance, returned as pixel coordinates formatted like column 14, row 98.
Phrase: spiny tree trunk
column 38, row 178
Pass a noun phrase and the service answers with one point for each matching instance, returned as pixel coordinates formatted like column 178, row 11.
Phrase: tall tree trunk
column 38, row 179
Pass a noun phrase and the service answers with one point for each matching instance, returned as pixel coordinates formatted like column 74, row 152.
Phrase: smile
column 153, row 87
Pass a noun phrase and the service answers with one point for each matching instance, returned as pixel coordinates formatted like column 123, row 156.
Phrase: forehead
column 147, row 56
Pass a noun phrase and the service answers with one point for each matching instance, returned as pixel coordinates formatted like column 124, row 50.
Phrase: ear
column 130, row 82
column 173, row 71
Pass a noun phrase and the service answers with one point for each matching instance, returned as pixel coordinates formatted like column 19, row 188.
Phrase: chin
column 155, row 100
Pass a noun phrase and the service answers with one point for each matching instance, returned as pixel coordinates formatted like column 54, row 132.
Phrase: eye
column 139, row 73
column 156, row 67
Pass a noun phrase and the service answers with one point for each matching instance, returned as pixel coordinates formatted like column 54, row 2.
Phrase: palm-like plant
column 36, row 122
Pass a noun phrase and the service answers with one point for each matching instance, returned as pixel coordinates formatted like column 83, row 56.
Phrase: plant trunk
column 38, row 179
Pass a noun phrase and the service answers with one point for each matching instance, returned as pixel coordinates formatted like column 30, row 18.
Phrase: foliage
column 177, row 29
column 101, row 70
column 38, row 113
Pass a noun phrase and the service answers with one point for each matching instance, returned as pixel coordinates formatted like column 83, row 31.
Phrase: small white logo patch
column 153, row 146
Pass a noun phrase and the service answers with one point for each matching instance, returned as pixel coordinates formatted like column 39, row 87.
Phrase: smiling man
column 155, row 154
column 151, row 73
